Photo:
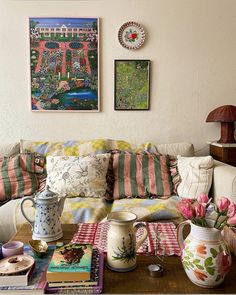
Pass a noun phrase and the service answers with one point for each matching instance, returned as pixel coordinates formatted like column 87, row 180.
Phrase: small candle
column 155, row 270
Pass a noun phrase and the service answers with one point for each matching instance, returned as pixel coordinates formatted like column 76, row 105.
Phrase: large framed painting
column 64, row 58
column 132, row 85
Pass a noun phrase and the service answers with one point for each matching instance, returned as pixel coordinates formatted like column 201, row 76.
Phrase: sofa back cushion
column 196, row 176
column 19, row 175
column 174, row 149
column 78, row 176
column 144, row 175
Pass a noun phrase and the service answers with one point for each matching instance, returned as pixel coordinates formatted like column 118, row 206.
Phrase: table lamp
column 227, row 116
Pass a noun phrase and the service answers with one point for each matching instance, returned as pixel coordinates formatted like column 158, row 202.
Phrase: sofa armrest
column 224, row 181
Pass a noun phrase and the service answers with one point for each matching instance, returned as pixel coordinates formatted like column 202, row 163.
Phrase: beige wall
column 192, row 48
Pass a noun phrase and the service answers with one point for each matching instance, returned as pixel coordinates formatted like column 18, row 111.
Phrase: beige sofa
column 95, row 210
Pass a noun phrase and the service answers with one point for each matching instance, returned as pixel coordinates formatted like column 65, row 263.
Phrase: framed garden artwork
column 64, row 64
column 132, row 84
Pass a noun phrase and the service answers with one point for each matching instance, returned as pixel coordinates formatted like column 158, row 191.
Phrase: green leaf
column 208, row 262
column 196, row 261
column 199, row 266
column 187, row 257
column 213, row 252
column 210, row 270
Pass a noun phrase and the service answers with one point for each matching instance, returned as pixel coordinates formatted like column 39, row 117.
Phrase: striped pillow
column 142, row 175
column 19, row 175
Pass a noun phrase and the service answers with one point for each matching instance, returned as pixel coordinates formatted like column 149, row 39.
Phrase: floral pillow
column 78, row 176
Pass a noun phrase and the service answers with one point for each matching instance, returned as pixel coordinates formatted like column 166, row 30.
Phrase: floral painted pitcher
column 121, row 241
column 205, row 257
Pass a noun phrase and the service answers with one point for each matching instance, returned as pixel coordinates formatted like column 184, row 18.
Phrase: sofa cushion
column 143, row 175
column 18, row 175
column 8, row 150
column 196, row 176
column 78, row 176
column 174, row 149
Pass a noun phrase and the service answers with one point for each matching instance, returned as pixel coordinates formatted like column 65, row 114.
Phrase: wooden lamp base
column 227, row 133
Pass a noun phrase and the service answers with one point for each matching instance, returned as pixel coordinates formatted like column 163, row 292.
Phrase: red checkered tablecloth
column 162, row 237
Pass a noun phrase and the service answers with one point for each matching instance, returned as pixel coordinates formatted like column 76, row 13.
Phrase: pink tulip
column 200, row 210
column 223, row 204
column 187, row 211
column 203, row 198
column 232, row 210
column 232, row 220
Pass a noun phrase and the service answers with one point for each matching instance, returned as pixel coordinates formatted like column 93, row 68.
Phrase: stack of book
column 75, row 268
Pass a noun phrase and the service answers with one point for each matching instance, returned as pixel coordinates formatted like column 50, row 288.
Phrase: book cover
column 18, row 279
column 96, row 275
column 37, row 280
column 71, row 262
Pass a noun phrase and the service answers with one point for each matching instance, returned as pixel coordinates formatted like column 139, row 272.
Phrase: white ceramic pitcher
column 121, row 241
column 46, row 225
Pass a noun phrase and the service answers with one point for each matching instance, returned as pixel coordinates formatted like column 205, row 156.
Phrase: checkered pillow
column 19, row 175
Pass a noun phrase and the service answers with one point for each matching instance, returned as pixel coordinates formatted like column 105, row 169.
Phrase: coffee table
column 138, row 281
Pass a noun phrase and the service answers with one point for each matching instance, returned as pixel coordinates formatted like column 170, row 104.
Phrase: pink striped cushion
column 141, row 175
column 19, row 175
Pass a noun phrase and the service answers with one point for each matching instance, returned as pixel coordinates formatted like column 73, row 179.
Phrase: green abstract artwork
column 132, row 83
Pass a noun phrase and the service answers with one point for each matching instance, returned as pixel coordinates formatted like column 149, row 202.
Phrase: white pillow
column 78, row 176
column 196, row 176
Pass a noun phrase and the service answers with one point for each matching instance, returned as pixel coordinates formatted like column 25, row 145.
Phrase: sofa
column 88, row 207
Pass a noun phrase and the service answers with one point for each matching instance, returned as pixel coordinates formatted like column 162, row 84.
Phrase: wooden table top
column 138, row 281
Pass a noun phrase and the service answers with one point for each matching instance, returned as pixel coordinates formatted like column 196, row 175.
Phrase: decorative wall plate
column 131, row 35
column 15, row 264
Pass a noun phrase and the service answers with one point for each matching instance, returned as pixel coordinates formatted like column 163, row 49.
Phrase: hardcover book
column 71, row 262
column 96, row 276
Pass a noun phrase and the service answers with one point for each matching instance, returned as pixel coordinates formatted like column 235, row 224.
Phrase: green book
column 71, row 262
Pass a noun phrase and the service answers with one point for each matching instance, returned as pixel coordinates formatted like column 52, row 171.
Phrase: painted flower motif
column 201, row 250
column 200, row 275
column 223, row 262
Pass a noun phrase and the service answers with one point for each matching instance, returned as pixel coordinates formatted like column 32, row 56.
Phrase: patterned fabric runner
column 162, row 237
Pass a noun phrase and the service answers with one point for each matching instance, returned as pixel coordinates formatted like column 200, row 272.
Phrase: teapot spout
column 61, row 205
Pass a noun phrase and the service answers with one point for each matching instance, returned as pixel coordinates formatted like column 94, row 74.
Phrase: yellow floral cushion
column 82, row 147
column 149, row 209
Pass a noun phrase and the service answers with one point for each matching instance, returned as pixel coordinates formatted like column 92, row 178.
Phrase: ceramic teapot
column 121, row 241
column 48, row 209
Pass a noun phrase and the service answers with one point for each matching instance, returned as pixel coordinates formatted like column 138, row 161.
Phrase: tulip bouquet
column 201, row 210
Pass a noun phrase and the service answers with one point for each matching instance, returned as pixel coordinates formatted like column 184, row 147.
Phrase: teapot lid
column 46, row 194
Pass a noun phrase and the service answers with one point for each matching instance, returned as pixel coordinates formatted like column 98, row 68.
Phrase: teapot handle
column 144, row 236
column 23, row 212
column 180, row 228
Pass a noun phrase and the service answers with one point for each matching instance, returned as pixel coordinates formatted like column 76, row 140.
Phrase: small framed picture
column 132, row 85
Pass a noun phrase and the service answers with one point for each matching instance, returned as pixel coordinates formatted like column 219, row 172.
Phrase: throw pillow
column 142, row 175
column 19, row 175
column 196, row 174
column 175, row 176
column 78, row 176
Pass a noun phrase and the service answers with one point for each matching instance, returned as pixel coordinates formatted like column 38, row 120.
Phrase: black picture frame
column 132, row 84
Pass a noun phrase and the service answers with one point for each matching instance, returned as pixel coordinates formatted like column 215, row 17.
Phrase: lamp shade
column 226, row 113
column 227, row 116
